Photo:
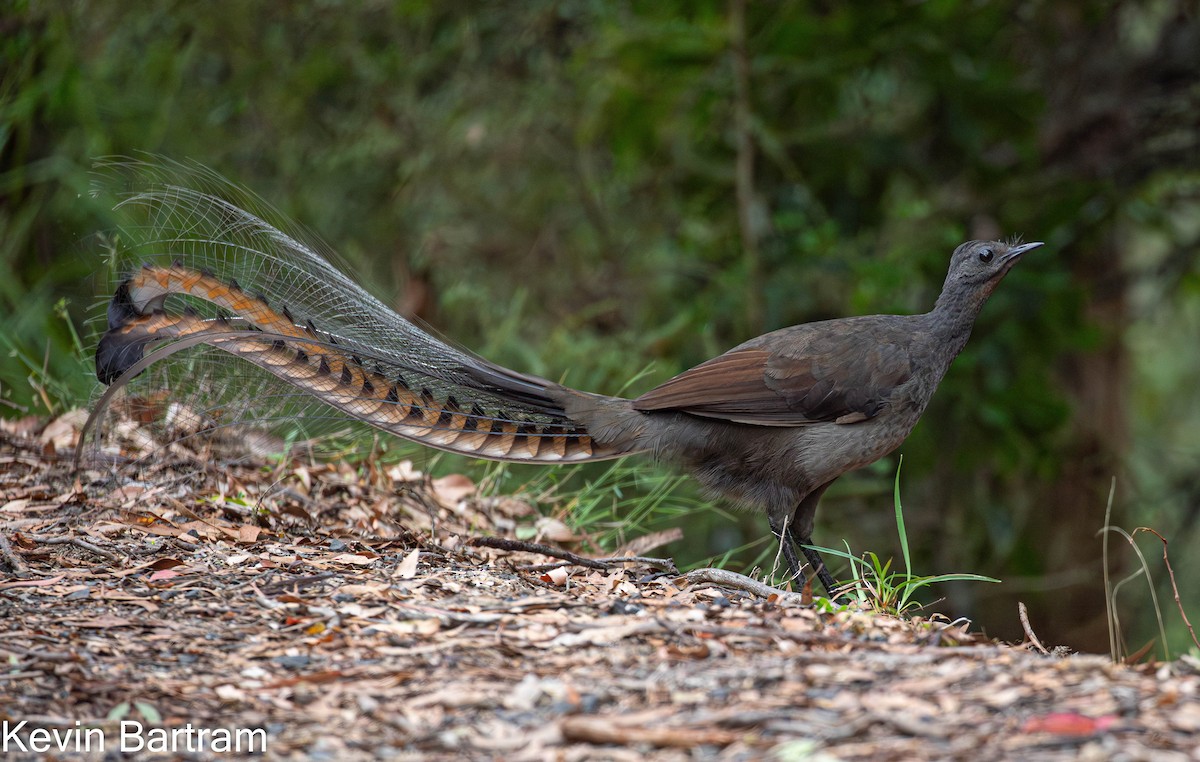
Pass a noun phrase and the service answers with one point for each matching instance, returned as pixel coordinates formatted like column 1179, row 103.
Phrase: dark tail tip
column 117, row 352
column 121, row 309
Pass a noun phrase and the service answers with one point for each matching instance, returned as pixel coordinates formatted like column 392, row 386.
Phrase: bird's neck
column 953, row 315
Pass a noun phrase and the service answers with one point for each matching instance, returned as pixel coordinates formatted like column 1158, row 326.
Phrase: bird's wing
column 836, row 371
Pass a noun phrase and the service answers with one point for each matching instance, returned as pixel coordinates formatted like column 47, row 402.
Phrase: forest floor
column 346, row 613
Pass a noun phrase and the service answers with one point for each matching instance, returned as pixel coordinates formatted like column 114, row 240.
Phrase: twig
column 502, row 543
column 666, row 564
column 297, row 582
column 72, row 540
column 742, row 582
column 14, row 561
column 264, row 601
column 1023, row 613
column 543, row 568
column 1174, row 587
column 185, row 544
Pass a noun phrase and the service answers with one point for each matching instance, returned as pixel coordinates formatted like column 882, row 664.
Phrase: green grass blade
column 900, row 519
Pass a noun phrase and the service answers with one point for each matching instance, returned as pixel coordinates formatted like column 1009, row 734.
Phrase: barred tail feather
column 280, row 306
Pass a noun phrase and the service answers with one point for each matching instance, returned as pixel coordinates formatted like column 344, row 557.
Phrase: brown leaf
column 63, row 432
column 407, row 569
column 450, row 490
column 354, row 559
column 33, row 582
column 555, row 577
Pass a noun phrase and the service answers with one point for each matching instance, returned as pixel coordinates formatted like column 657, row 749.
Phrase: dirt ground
column 347, row 613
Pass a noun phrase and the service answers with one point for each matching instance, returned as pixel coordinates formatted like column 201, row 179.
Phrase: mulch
column 349, row 613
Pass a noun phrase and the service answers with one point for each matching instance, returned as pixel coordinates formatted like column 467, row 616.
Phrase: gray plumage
column 773, row 422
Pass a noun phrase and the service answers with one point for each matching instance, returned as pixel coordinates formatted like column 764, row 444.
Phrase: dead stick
column 1023, row 613
column 741, row 582
column 14, row 561
column 264, row 601
column 72, row 540
column 501, row 543
column 297, row 582
column 1174, row 587
column 666, row 564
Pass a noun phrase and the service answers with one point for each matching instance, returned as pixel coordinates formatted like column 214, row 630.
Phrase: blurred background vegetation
column 582, row 189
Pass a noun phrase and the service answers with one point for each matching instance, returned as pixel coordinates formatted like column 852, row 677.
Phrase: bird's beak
column 1017, row 251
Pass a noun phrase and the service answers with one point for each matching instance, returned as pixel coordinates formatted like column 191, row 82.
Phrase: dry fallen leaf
column 556, row 576
column 555, row 531
column 63, row 432
column 407, row 569
column 450, row 490
column 354, row 559
column 403, row 472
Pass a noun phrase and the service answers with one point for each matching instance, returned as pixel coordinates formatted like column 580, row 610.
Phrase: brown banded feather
column 501, row 437
column 341, row 381
column 552, row 444
column 153, row 281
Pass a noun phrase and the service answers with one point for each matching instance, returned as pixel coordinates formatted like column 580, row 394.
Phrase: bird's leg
column 800, row 531
column 781, row 530
column 818, row 564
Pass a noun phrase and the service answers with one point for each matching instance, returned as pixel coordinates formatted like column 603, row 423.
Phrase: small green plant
column 876, row 585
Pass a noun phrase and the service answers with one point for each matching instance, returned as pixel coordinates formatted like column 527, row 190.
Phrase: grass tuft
column 877, row 586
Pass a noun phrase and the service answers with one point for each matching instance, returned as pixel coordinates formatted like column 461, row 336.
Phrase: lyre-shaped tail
column 213, row 274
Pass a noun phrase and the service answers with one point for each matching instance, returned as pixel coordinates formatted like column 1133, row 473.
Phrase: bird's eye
column 985, row 255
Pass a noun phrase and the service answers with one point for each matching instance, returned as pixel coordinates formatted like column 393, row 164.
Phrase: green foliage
column 875, row 585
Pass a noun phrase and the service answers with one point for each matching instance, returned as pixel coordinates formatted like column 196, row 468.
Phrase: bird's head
column 976, row 268
column 985, row 262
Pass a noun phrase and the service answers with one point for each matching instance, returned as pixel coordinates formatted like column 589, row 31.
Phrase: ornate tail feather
column 326, row 339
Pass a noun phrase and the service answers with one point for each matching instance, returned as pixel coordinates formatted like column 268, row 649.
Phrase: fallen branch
column 741, row 582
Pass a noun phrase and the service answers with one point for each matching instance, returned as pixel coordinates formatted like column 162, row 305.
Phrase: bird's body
column 773, row 422
column 768, row 424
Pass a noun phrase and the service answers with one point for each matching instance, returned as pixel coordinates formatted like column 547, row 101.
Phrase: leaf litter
column 350, row 612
